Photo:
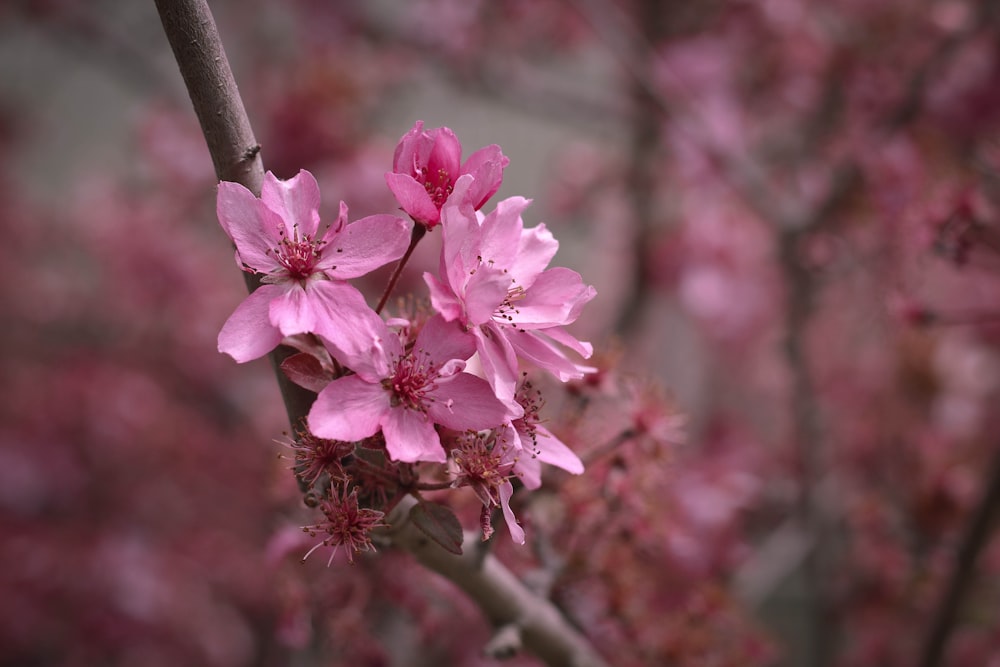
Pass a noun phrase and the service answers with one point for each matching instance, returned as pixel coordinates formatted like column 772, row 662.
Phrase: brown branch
column 975, row 537
column 501, row 596
column 519, row 615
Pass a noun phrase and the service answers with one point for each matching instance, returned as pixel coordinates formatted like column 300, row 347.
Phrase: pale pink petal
column 365, row 245
column 295, row 200
column 356, row 335
column 516, row 532
column 413, row 198
column 556, row 298
column 337, row 227
column 443, row 298
column 410, row 437
column 486, row 165
column 485, row 291
column 551, row 450
column 248, row 334
column 529, row 470
column 441, row 341
column 465, row 402
column 293, row 311
column 460, row 230
column 561, row 336
column 534, row 347
column 348, row 409
column 251, row 225
column 500, row 233
column 537, row 248
column 499, row 363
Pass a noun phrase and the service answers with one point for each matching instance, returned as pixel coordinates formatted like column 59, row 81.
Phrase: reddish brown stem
column 418, row 233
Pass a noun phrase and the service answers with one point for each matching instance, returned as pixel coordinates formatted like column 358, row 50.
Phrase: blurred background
column 788, row 209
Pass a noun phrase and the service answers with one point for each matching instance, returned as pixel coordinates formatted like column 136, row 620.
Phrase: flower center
column 412, row 380
column 438, row 184
column 298, row 255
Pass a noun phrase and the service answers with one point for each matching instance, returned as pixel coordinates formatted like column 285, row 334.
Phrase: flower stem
column 418, row 233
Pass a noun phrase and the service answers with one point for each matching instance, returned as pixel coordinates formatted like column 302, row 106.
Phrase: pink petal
column 413, row 198
column 441, row 341
column 365, row 245
column 561, row 336
column 499, row 363
column 516, row 532
column 556, row 298
column 248, row 334
column 535, row 347
column 465, row 402
column 446, row 154
column 355, row 334
column 443, row 299
column 251, row 225
column 486, row 165
column 410, row 437
column 293, row 311
column 551, row 450
column 485, row 291
column 348, row 409
column 537, row 248
column 500, row 235
column 295, row 200
column 460, row 237
column 414, row 146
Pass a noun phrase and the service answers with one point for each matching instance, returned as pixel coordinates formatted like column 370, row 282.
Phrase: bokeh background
column 788, row 209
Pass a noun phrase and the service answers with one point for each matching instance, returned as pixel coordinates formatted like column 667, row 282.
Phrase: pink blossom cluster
column 441, row 384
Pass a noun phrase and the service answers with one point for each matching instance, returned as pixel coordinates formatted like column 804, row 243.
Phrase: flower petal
column 365, row 245
column 536, row 249
column 465, row 402
column 443, row 298
column 348, row 409
column 516, row 532
column 252, row 226
column 442, row 341
column 410, row 437
column 355, row 334
column 551, row 450
column 413, row 198
column 556, row 298
column 486, row 165
column 445, row 155
column 535, row 347
column 499, row 363
column 295, row 200
column 248, row 334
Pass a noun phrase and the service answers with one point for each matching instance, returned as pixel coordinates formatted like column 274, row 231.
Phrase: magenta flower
column 492, row 279
column 304, row 291
column 427, row 165
column 405, row 392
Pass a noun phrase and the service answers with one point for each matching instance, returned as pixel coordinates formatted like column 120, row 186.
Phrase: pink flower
column 303, row 274
column 485, row 462
column 494, row 282
column 405, row 392
column 427, row 165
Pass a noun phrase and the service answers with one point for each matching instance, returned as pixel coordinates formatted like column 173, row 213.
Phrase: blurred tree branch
column 519, row 615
